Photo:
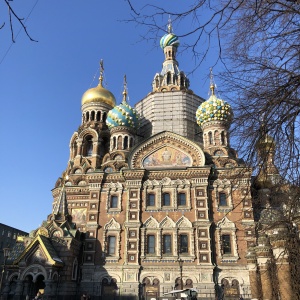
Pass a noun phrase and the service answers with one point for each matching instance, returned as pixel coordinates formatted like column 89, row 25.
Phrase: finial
column 212, row 82
column 125, row 89
column 101, row 72
column 170, row 29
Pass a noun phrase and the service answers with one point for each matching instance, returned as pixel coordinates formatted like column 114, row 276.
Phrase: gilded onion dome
column 123, row 114
column 99, row 93
column 214, row 109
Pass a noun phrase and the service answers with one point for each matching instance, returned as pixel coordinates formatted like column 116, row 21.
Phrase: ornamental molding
column 183, row 222
column 167, row 222
column 112, row 225
column 151, row 223
column 163, row 140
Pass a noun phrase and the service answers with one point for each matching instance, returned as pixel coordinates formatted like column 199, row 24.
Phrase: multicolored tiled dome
column 169, row 39
column 122, row 115
column 214, row 109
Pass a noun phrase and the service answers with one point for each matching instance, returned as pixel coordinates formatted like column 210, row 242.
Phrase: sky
column 41, row 85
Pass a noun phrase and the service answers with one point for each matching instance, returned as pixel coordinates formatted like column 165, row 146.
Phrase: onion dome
column 99, row 94
column 214, row 109
column 123, row 114
column 169, row 39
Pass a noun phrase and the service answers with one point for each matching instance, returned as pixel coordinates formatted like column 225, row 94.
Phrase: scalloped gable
column 112, row 224
column 151, row 223
column 225, row 223
column 183, row 222
column 166, row 150
column 167, row 222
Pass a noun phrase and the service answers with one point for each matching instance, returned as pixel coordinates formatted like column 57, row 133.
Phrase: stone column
column 253, row 274
column 19, row 290
column 282, row 265
column 49, row 291
column 264, row 254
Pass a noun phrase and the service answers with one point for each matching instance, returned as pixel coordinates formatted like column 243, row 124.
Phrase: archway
column 109, row 289
column 39, row 284
column 151, row 290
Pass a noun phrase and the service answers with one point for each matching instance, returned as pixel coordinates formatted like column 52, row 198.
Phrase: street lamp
column 6, row 252
column 180, row 266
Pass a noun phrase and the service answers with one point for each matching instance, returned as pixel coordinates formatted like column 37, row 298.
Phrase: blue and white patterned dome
column 122, row 115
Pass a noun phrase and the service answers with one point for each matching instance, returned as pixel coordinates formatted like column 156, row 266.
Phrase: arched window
column 98, row 118
column 168, row 78
column 210, row 138
column 223, row 138
column 89, row 146
column 87, row 116
column 131, row 143
column 92, row 116
column 104, row 116
column 114, row 142
column 126, row 142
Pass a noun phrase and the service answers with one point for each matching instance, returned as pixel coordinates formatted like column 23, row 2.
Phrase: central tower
column 171, row 105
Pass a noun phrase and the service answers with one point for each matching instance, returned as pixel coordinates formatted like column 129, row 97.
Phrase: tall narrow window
column 150, row 244
column 210, row 139
column 151, row 200
column 167, row 246
column 183, row 243
column 222, row 138
column 125, row 142
column 114, row 142
column 131, row 142
column 89, row 146
column 222, row 199
column 168, row 78
column 181, row 199
column 92, row 115
column 98, row 116
column 166, row 199
column 226, row 244
column 111, row 250
column 114, row 202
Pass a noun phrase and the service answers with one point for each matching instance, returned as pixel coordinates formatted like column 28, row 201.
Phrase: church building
column 153, row 199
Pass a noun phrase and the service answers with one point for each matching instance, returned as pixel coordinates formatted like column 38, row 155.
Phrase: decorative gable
column 166, row 150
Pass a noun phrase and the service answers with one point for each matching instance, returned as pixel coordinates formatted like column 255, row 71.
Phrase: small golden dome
column 98, row 94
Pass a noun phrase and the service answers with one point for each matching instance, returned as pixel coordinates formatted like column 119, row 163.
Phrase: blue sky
column 42, row 84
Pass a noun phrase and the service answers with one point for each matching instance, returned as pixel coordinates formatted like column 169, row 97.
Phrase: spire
column 212, row 82
column 125, row 90
column 170, row 28
column 101, row 73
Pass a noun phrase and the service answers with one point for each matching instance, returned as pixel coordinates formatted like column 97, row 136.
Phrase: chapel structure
column 153, row 199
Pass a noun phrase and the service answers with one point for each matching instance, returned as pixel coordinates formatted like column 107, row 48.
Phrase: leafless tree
column 13, row 16
column 259, row 49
